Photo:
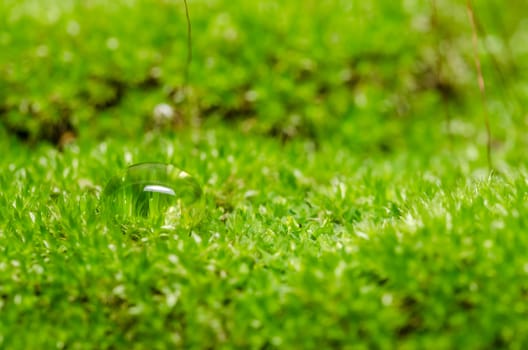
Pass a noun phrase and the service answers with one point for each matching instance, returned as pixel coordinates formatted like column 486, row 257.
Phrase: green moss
column 338, row 210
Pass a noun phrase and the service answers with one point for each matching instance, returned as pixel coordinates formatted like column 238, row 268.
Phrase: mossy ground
column 341, row 150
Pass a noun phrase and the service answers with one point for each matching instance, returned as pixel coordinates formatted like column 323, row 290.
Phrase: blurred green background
column 373, row 76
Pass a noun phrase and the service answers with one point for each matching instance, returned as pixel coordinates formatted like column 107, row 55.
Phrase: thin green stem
column 189, row 43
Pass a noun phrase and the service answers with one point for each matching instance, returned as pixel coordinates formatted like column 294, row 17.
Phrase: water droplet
column 163, row 112
column 157, row 192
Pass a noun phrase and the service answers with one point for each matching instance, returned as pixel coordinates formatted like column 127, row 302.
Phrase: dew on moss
column 158, row 192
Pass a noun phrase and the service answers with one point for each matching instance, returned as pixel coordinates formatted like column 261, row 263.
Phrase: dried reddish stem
column 481, row 81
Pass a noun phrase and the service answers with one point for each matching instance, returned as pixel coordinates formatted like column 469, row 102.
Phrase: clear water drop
column 157, row 192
